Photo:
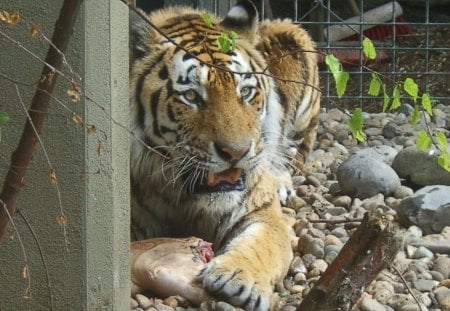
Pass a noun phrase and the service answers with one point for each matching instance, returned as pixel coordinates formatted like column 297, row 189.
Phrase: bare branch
column 21, row 157
column 52, row 170
column 26, row 268
column 407, row 286
column 41, row 254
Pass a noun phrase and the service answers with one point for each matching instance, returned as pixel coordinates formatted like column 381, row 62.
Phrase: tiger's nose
column 230, row 152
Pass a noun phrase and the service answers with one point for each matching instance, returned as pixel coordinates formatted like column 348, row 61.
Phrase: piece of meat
column 169, row 267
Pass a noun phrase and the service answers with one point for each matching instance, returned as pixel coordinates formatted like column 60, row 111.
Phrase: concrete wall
column 85, row 266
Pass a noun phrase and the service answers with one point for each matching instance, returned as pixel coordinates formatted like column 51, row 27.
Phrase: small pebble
column 413, row 307
column 339, row 232
column 424, row 285
column 369, row 304
column 442, row 265
column 320, row 264
column 144, row 301
column 423, row 252
column 343, row 201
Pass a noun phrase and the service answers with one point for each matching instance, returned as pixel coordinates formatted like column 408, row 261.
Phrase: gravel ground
column 425, row 273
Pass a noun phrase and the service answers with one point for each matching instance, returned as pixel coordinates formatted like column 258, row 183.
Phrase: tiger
column 215, row 133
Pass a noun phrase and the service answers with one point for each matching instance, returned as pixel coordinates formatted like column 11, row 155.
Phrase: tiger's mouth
column 231, row 179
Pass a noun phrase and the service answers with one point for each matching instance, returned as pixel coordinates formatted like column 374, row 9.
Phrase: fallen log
column 370, row 249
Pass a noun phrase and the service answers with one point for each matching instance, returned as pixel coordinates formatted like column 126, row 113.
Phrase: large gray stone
column 382, row 153
column 363, row 176
column 420, row 167
column 428, row 208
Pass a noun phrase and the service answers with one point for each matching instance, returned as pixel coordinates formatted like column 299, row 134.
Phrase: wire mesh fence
column 411, row 37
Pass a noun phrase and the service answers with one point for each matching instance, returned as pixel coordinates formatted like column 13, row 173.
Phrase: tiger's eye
column 245, row 91
column 191, row 95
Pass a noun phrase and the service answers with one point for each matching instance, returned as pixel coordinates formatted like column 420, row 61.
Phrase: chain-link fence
column 411, row 37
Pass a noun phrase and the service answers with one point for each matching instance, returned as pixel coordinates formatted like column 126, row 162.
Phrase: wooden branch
column 370, row 249
column 40, row 104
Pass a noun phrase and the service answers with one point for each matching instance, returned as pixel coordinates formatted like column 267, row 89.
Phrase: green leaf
column 444, row 161
column 224, row 44
column 369, row 49
column 423, row 140
column 426, row 103
column 341, row 79
column 233, row 35
column 334, row 65
column 415, row 115
column 207, row 19
column 4, row 118
column 375, row 86
column 441, row 140
column 386, row 99
column 396, row 98
column 227, row 43
column 411, row 88
column 355, row 124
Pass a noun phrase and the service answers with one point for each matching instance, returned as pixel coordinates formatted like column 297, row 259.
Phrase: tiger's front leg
column 253, row 259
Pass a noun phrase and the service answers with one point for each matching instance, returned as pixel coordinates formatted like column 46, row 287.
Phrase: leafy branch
column 409, row 88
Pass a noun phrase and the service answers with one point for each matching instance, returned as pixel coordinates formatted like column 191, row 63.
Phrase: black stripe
column 165, row 130
column 282, row 97
column 163, row 73
column 154, row 104
column 170, row 113
column 238, row 228
column 169, row 88
column 140, row 86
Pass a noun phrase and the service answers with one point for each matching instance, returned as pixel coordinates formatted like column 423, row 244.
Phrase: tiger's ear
column 243, row 19
column 140, row 35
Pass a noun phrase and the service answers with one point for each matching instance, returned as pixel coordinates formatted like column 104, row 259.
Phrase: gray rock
column 391, row 130
column 442, row 265
column 373, row 131
column 413, row 307
column 442, row 294
column 339, row 232
column 425, row 285
column 364, row 177
column 422, row 252
column 420, row 167
column 335, row 114
column 381, row 153
column 406, row 109
column 342, row 201
column 428, row 208
column 403, row 192
column 369, row 304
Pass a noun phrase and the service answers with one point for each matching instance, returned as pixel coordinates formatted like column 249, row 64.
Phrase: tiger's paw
column 231, row 282
column 285, row 187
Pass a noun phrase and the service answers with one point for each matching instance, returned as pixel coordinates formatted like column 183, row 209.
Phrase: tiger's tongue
column 230, row 176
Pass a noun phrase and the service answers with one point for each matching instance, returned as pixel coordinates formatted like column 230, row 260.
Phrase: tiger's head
column 206, row 109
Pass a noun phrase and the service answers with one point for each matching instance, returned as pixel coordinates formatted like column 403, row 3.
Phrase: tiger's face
column 206, row 110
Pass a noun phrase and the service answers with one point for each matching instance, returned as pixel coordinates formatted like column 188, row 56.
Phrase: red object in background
column 350, row 57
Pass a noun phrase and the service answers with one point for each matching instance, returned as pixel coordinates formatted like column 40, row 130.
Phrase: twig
column 407, row 286
column 49, row 163
column 26, row 268
column 21, row 157
column 41, row 254
column 335, row 221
